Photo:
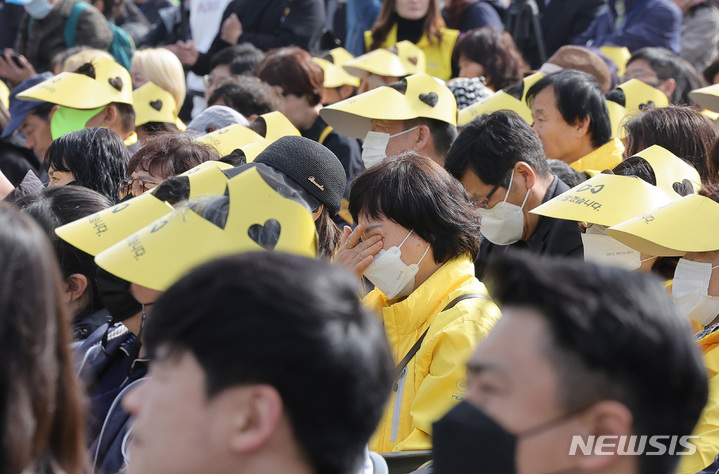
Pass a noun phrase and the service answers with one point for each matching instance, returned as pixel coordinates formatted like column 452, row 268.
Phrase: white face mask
column 374, row 147
column 390, row 274
column 602, row 249
column 504, row 223
column 690, row 290
column 38, row 9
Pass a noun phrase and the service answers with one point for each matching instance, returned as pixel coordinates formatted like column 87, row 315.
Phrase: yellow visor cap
column 639, row 94
column 259, row 218
column 620, row 55
column 706, row 97
column 207, row 179
column 528, row 82
column 112, row 83
column 669, row 170
column 340, row 56
column 500, row 100
column 404, row 59
column 605, row 199
column 278, row 126
column 335, row 76
column 424, row 97
column 153, row 104
column 617, row 115
column 690, row 224
column 227, row 139
column 103, row 229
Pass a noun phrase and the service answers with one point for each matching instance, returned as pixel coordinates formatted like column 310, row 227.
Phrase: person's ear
column 257, row 412
column 668, row 86
column 345, row 91
column 111, row 114
column 75, row 286
column 527, row 174
column 423, row 137
column 583, row 125
column 607, row 421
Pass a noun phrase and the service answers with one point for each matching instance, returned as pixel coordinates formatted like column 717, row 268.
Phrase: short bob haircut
column 294, row 71
column 432, row 28
column 97, row 158
column 681, row 130
column 41, row 414
column 418, row 194
column 491, row 145
column 578, row 95
column 169, row 155
column 496, row 52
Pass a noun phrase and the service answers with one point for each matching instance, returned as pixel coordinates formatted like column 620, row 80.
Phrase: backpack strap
column 403, row 363
column 70, row 31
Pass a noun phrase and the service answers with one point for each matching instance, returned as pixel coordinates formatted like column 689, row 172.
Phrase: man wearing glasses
column 500, row 162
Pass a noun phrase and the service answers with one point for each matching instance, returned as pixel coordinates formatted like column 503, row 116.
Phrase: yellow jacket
column 708, row 426
column 434, row 378
column 603, row 158
column 438, row 55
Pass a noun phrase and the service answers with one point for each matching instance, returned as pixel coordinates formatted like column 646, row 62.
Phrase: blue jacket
column 108, row 367
column 647, row 23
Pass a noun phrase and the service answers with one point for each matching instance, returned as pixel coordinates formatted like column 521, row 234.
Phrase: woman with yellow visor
column 689, row 228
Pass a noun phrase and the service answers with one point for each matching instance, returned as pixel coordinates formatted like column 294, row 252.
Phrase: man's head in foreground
column 262, row 362
column 583, row 358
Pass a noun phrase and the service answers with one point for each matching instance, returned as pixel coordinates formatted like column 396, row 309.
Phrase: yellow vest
column 435, row 378
column 708, row 426
column 438, row 55
column 603, row 158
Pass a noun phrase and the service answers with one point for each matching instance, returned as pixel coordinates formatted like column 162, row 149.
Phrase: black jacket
column 557, row 237
column 562, row 21
column 268, row 25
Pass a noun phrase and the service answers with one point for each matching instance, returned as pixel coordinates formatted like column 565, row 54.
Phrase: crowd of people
column 322, row 236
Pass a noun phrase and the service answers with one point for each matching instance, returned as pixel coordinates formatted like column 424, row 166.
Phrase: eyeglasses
column 483, row 203
column 134, row 187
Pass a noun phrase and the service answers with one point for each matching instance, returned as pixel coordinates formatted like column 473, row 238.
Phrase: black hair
column 711, row 71
column 248, row 95
column 443, row 133
column 578, row 96
column 613, row 335
column 97, row 158
column 42, row 111
column 57, row 206
column 227, row 55
column 416, row 193
column 667, row 65
column 295, row 324
column 490, row 146
column 247, row 60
